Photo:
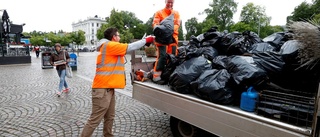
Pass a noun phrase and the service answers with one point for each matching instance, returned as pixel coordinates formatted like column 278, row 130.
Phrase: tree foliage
column 148, row 24
column 207, row 24
column 78, row 37
column 302, row 12
column 192, row 27
column 221, row 11
column 240, row 27
column 255, row 16
column 180, row 31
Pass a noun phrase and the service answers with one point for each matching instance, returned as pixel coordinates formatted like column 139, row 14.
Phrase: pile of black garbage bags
column 219, row 66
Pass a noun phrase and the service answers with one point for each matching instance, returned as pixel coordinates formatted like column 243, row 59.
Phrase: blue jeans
column 63, row 82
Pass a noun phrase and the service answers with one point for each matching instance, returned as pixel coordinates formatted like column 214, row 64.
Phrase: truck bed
column 218, row 119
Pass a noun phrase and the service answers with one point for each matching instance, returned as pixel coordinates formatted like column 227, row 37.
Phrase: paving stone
column 29, row 106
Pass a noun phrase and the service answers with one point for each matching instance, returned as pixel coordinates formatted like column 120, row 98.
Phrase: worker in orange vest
column 163, row 49
column 110, row 74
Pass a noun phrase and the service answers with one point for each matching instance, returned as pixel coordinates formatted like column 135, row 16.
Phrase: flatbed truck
column 188, row 113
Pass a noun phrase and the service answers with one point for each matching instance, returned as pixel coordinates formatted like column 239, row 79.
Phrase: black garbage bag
column 211, row 86
column 238, row 47
column 211, row 39
column 229, row 38
column 200, row 38
column 194, row 41
column 192, row 52
column 275, row 37
column 188, row 52
column 290, row 47
column 251, row 37
column 220, row 62
column 270, row 62
column 261, row 47
column 225, row 41
column 172, row 63
column 209, row 52
column 164, row 31
column 244, row 71
column 278, row 39
column 187, row 72
column 242, row 44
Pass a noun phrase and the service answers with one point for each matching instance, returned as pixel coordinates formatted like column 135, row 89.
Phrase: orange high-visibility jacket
column 110, row 71
column 161, row 15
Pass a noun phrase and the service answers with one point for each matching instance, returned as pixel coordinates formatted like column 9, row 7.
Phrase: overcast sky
column 54, row 15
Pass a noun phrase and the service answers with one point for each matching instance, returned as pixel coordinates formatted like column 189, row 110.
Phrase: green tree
column 180, row 35
column 65, row 39
column 101, row 30
column 207, row 24
column 302, row 12
column 268, row 30
column 126, row 36
column 37, row 40
column 78, row 37
column 133, row 24
column 116, row 20
column 221, row 11
column 316, row 17
column 192, row 27
column 148, row 24
column 240, row 27
column 139, row 31
column 255, row 16
column 315, row 7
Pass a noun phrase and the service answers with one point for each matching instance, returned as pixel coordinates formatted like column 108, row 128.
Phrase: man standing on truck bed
column 163, row 49
column 110, row 74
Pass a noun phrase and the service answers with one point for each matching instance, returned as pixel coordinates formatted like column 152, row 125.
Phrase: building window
column 97, row 25
column 92, row 31
column 92, row 24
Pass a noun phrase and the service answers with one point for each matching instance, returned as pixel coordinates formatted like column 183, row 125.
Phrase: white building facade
column 90, row 27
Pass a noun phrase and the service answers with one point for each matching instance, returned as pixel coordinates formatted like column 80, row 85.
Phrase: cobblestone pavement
column 30, row 108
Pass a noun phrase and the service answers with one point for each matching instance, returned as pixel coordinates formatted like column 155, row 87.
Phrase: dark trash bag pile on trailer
column 248, row 59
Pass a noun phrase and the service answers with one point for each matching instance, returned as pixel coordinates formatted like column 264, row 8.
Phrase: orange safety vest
column 161, row 15
column 110, row 70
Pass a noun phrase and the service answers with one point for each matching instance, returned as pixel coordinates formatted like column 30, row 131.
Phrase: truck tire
column 180, row 128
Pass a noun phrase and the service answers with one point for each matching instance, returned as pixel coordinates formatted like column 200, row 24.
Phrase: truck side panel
column 217, row 119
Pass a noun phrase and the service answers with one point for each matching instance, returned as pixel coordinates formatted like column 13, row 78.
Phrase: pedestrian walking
column 162, row 49
column 110, row 74
column 60, row 58
column 37, row 50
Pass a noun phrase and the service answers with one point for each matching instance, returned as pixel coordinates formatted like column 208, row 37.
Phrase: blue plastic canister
column 73, row 61
column 249, row 99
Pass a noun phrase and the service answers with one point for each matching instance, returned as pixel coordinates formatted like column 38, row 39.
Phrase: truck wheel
column 180, row 128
